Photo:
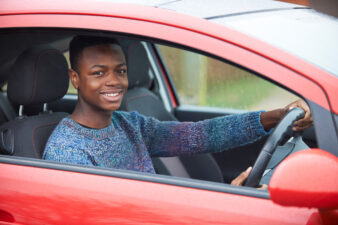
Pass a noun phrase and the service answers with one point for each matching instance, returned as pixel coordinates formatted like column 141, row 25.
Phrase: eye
column 122, row 71
column 98, row 73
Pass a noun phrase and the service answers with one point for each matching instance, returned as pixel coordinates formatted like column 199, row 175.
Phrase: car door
column 39, row 192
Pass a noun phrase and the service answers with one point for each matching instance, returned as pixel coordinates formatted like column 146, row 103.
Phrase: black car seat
column 140, row 98
column 7, row 111
column 39, row 76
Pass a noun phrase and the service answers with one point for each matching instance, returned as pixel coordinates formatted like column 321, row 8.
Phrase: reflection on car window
column 204, row 81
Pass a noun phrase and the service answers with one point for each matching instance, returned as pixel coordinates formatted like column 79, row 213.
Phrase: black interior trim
column 175, row 181
column 324, row 121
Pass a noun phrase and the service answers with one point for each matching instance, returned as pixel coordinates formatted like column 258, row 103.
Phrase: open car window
column 204, row 81
column 198, row 80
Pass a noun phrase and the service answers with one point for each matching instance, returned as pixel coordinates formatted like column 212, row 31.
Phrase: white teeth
column 111, row 94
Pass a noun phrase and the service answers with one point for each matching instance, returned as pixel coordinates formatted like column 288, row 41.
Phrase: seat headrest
column 39, row 75
column 138, row 66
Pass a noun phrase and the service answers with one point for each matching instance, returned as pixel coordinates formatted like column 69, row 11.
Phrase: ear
column 74, row 77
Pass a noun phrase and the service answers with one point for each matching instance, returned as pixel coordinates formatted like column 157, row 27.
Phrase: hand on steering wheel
column 271, row 144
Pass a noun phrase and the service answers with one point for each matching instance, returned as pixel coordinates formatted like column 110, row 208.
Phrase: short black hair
column 78, row 43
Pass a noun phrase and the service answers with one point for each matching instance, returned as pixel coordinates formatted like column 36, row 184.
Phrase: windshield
column 304, row 33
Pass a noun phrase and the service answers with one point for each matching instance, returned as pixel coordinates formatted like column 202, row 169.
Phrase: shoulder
column 62, row 137
column 64, row 126
column 63, row 132
column 133, row 119
column 133, row 116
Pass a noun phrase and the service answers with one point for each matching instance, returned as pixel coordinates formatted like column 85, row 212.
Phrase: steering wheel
column 271, row 144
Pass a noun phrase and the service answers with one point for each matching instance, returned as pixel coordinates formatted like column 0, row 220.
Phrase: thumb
column 239, row 180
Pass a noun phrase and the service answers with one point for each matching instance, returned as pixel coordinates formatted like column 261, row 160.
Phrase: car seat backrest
column 7, row 111
column 138, row 67
column 140, row 98
column 39, row 76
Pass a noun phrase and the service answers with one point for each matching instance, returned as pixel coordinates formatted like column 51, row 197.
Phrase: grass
column 237, row 94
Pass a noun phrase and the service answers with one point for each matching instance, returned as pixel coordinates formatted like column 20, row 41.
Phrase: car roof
column 197, row 8
column 214, row 8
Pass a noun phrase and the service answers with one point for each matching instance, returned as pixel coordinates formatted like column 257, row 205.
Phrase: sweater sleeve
column 208, row 136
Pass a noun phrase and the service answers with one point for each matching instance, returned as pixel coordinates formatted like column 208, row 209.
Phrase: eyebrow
column 122, row 64
column 103, row 66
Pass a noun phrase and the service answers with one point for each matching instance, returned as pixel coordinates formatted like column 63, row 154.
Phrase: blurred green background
column 204, row 81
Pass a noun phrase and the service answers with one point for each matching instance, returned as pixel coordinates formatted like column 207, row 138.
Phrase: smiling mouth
column 112, row 96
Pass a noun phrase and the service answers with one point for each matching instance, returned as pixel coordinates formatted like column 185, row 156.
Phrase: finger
column 303, row 122
column 239, row 180
column 300, row 104
column 307, row 115
column 263, row 187
column 302, row 128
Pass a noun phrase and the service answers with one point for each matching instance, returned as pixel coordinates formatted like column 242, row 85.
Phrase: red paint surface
column 306, row 179
column 168, row 18
column 329, row 217
column 45, row 196
column 40, row 196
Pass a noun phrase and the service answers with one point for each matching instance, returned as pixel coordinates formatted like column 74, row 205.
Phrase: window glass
column 71, row 89
column 204, row 81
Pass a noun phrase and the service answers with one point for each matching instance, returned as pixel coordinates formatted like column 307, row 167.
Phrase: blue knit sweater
column 131, row 139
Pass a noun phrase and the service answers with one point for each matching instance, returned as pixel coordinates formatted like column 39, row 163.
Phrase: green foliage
column 238, row 94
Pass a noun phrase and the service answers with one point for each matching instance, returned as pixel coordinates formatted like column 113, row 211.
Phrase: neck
column 91, row 118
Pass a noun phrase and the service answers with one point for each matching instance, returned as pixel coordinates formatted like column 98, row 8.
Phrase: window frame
column 199, row 42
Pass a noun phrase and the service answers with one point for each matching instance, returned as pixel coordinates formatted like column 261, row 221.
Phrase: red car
column 187, row 61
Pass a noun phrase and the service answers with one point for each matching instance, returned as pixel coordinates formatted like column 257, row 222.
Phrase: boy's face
column 102, row 80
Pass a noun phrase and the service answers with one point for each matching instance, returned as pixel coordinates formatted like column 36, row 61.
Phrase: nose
column 112, row 79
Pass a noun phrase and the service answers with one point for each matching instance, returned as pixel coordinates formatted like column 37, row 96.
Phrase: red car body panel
column 325, row 80
column 59, row 197
column 55, row 196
